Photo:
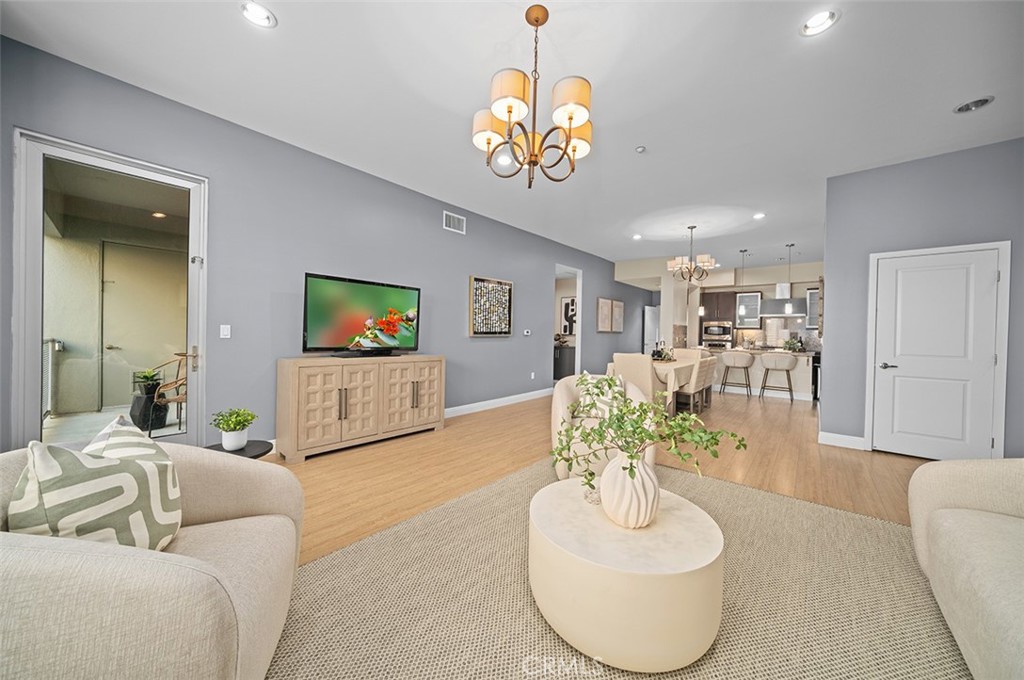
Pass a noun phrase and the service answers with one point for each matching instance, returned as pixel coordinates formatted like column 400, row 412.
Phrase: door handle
column 112, row 347
column 884, row 365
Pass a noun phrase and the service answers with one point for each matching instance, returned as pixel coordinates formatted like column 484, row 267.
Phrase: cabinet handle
column 415, row 393
column 343, row 396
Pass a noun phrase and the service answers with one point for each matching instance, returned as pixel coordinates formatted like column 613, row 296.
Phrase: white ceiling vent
column 453, row 222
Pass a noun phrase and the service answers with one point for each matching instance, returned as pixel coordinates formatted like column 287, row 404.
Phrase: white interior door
column 935, row 352
column 145, row 314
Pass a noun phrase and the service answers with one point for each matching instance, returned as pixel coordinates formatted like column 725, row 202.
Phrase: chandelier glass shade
column 500, row 131
column 690, row 268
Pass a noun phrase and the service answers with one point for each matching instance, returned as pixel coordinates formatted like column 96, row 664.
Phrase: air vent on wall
column 453, row 222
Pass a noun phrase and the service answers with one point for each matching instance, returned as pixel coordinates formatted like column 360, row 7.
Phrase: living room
column 282, row 197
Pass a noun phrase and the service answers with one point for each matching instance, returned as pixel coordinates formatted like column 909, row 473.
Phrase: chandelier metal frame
column 691, row 268
column 520, row 147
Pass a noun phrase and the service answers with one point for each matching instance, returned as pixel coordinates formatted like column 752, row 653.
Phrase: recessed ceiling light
column 974, row 105
column 159, row 215
column 637, row 237
column 640, row 149
column 819, row 23
column 760, row 216
column 259, row 15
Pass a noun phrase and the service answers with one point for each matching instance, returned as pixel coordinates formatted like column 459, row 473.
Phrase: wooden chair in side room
column 777, row 361
column 173, row 391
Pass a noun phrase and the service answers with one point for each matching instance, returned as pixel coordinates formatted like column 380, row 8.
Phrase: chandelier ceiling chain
column 691, row 268
column 500, row 133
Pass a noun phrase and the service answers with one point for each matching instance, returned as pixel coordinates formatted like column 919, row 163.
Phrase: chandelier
column 510, row 147
column 690, row 268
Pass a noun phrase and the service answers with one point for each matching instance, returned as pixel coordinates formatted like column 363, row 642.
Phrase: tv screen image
column 347, row 314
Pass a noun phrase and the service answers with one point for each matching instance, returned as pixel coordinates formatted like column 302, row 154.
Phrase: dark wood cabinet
column 719, row 306
column 565, row 362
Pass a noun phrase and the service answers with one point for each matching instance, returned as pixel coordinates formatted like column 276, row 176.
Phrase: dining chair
column 700, row 380
column 638, row 369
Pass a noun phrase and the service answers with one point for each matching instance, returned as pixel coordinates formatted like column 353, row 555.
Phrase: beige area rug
column 810, row 592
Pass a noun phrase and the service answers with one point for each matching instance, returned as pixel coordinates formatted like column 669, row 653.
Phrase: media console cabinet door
column 359, row 392
column 428, row 406
column 319, row 397
column 396, row 406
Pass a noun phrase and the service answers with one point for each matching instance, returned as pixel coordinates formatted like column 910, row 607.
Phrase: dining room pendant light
column 511, row 146
column 789, row 277
column 742, row 311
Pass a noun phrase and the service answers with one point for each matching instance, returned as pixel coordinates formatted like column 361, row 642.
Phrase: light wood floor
column 353, row 493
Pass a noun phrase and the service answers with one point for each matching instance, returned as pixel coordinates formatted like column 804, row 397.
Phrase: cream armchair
column 212, row 605
column 564, row 395
column 967, row 520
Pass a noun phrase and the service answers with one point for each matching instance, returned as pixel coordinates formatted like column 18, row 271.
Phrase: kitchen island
column 801, row 375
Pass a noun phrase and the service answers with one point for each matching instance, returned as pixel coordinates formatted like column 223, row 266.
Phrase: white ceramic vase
column 233, row 441
column 629, row 502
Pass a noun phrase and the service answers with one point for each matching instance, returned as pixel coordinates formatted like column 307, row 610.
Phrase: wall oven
column 717, row 334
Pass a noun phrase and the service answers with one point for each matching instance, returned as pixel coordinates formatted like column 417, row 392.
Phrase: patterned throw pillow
column 120, row 489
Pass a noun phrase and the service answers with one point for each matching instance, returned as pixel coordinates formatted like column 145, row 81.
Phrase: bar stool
column 737, row 359
column 777, row 361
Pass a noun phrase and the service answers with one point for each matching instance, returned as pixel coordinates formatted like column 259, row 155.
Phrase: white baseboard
column 495, row 403
column 844, row 441
column 799, row 396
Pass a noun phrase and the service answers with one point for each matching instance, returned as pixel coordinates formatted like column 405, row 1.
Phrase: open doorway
column 568, row 294
column 111, row 294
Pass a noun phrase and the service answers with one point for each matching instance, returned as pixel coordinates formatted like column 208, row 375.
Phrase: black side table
column 255, row 448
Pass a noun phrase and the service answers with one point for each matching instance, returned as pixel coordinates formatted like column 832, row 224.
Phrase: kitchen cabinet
column 813, row 307
column 750, row 303
column 719, row 306
column 565, row 362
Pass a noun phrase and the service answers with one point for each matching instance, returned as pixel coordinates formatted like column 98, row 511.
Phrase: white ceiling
column 739, row 113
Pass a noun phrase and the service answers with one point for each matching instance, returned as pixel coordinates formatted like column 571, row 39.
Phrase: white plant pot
column 630, row 503
column 233, row 441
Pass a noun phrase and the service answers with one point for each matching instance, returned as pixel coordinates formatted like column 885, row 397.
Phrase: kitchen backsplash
column 776, row 331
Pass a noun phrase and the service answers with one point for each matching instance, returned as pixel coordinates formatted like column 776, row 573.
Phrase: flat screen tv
column 348, row 315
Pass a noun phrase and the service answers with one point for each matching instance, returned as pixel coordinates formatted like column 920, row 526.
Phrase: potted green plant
column 147, row 380
column 791, row 345
column 604, row 422
column 234, row 427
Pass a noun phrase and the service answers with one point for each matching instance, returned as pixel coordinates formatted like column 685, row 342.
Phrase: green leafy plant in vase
column 605, row 424
column 791, row 345
column 234, row 427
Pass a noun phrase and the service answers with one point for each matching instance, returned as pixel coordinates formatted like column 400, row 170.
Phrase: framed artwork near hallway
column 618, row 315
column 604, row 315
column 567, row 316
column 490, row 307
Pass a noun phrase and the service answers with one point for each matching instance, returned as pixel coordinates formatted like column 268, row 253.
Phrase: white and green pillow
column 120, row 489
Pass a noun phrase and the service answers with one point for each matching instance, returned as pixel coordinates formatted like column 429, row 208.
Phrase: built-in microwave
column 718, row 330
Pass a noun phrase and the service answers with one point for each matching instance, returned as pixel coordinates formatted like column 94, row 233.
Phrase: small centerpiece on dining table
column 662, row 353
column 605, row 423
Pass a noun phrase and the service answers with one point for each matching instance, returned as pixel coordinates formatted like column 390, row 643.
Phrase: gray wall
column 276, row 211
column 971, row 196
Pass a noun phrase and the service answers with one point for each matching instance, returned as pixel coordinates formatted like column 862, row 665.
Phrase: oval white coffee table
column 646, row 600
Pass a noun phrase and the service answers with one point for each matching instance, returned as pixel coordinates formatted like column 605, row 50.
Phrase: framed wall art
column 568, row 316
column 490, row 307
column 604, row 315
column 618, row 314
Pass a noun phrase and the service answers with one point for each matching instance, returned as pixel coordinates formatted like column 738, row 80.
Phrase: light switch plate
column 225, row 331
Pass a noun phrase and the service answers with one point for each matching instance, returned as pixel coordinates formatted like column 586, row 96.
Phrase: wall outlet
column 532, row 375
column 225, row 331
